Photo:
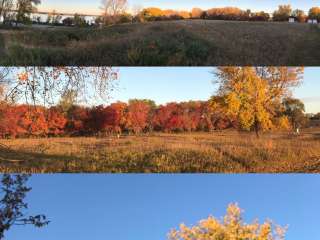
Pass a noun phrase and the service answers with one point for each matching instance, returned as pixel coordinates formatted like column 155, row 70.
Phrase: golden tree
column 231, row 227
column 254, row 95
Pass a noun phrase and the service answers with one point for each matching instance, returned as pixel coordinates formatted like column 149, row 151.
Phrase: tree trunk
column 257, row 129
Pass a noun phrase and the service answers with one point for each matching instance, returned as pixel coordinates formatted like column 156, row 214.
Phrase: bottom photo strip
column 158, row 207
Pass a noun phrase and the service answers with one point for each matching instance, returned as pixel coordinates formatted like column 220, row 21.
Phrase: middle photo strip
column 160, row 120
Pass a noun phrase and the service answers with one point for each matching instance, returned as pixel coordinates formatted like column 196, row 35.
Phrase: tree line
column 120, row 15
column 134, row 117
column 116, row 11
column 247, row 98
column 283, row 13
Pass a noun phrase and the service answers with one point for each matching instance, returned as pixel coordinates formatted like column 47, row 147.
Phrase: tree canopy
column 231, row 227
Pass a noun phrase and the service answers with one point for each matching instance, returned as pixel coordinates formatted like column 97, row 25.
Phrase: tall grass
column 227, row 152
column 183, row 43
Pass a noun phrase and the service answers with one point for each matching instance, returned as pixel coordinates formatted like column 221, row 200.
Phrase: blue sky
column 92, row 6
column 167, row 84
column 146, row 207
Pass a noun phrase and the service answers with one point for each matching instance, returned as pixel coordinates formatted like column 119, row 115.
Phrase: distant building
column 42, row 17
column 292, row 19
column 313, row 21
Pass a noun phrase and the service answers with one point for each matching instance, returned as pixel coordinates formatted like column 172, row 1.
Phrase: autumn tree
column 77, row 119
column 33, row 121
column 137, row 115
column 283, row 13
column 116, row 117
column 13, row 206
column 230, row 227
column 196, row 13
column 217, row 114
column 252, row 95
column 226, row 13
column 162, row 116
column 295, row 110
column 314, row 13
column 260, row 16
column 300, row 15
column 56, row 121
column 97, row 120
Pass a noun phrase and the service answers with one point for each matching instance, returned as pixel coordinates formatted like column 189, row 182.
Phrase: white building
column 292, row 20
column 43, row 17
column 313, row 21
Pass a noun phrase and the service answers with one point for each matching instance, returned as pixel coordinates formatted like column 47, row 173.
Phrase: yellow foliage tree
column 231, row 227
column 314, row 13
column 253, row 95
column 283, row 123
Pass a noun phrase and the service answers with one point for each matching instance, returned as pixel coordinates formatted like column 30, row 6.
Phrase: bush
column 176, row 48
column 260, row 16
column 68, row 21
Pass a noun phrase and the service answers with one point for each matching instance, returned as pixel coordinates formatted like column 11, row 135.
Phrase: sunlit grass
column 227, row 152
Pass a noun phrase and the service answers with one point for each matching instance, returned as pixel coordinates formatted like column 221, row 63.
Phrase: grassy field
column 188, row 42
column 223, row 152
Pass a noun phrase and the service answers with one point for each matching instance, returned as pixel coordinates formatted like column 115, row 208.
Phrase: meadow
column 176, row 43
column 226, row 151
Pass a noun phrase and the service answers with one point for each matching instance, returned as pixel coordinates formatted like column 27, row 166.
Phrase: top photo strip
column 159, row 33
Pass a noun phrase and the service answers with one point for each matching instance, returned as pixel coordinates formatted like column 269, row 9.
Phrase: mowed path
column 196, row 152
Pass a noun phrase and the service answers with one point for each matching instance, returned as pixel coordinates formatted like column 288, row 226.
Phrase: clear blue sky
column 167, row 84
column 146, row 207
column 92, row 6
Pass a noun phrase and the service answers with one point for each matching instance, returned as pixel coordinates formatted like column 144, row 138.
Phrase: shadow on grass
column 20, row 161
column 240, row 161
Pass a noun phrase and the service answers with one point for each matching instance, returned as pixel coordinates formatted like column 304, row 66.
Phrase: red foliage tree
column 77, row 119
column 56, row 122
column 137, row 116
column 115, row 117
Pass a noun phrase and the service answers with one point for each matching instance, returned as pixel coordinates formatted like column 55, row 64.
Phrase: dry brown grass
column 188, row 42
column 225, row 152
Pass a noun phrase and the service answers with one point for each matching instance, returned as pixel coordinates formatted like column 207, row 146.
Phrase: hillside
column 187, row 42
